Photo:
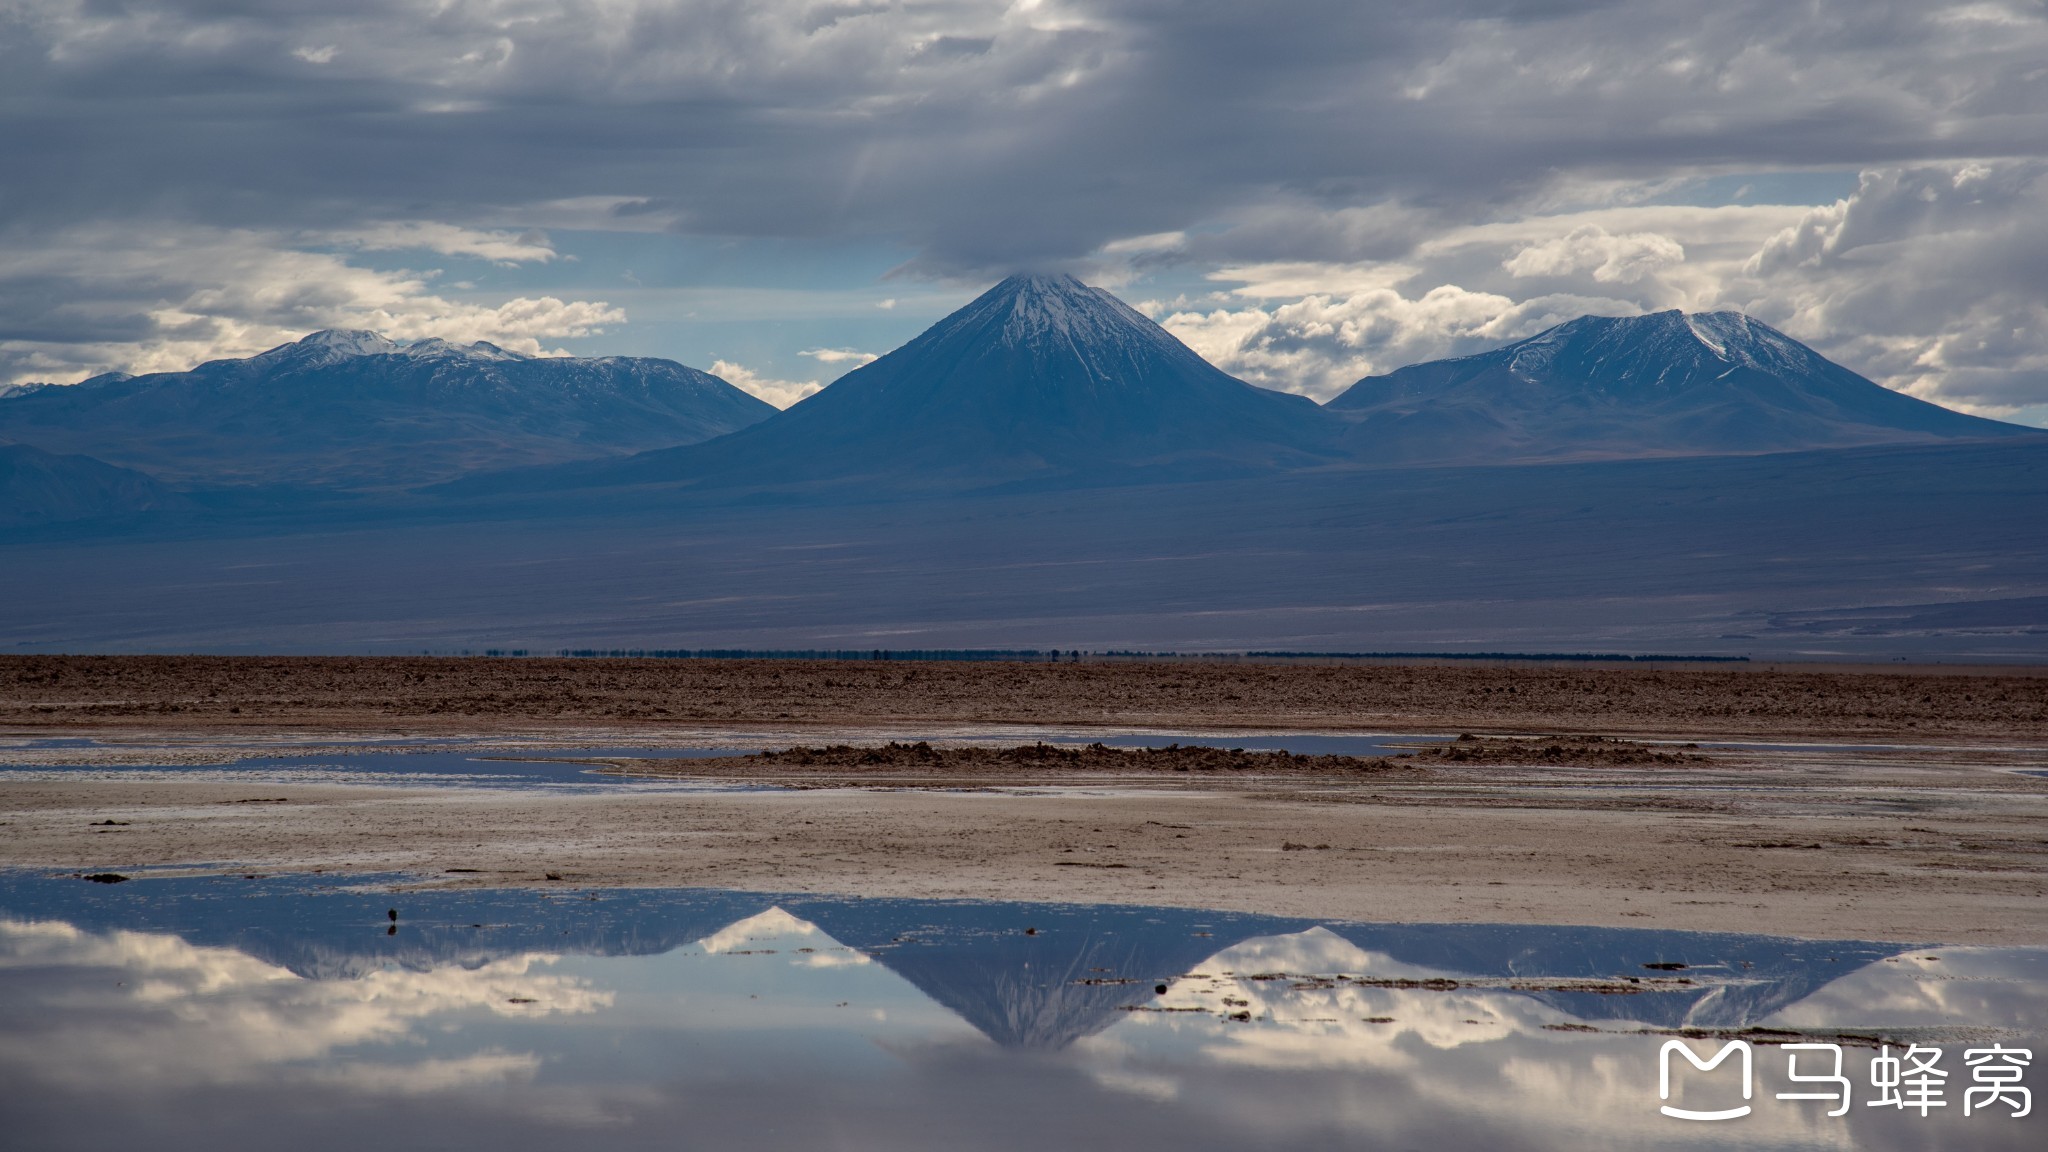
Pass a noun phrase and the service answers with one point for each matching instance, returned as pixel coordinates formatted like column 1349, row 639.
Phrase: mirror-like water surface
column 207, row 1012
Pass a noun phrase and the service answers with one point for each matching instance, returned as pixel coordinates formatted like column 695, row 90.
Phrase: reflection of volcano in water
column 1025, row 975
column 1069, row 975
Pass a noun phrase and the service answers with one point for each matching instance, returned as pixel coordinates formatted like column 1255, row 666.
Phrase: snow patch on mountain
column 435, row 348
column 1054, row 312
column 1704, row 332
column 339, row 342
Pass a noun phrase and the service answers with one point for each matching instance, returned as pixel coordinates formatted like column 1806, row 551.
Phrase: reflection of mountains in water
column 1025, row 975
column 330, row 929
column 1739, row 979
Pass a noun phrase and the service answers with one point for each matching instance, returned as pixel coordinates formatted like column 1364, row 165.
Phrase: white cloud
column 109, row 298
column 1318, row 345
column 1145, row 245
column 840, row 356
column 1928, row 279
column 1590, row 248
column 781, row 393
column 531, row 246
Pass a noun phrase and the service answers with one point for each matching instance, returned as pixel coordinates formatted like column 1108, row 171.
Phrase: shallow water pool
column 221, row 1012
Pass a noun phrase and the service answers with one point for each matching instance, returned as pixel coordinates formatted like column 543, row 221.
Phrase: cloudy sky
column 1306, row 191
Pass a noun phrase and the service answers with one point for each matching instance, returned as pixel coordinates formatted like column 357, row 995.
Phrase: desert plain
column 1865, row 802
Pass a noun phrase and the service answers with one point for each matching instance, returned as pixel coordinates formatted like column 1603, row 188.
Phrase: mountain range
column 1039, row 379
column 1079, row 971
column 352, row 410
column 1045, row 468
column 1044, row 377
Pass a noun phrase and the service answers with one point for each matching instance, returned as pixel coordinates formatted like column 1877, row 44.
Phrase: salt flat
column 1823, row 802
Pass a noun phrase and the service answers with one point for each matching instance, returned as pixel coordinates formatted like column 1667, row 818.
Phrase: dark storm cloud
column 980, row 135
column 988, row 136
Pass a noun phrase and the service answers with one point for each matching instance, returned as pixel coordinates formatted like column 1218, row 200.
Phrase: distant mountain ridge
column 1662, row 384
column 1040, row 380
column 1046, row 377
column 351, row 409
column 38, row 487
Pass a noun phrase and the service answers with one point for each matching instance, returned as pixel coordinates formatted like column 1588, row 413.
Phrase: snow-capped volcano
column 350, row 408
column 1046, row 370
column 1041, row 375
column 1639, row 385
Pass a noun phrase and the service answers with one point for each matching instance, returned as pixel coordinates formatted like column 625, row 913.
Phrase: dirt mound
column 1561, row 751
column 923, row 759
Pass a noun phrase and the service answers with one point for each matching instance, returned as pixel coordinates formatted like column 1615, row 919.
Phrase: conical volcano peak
column 1053, row 290
column 1055, row 283
column 1034, row 310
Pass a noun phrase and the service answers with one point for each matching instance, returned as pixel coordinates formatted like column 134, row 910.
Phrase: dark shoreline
column 350, row 694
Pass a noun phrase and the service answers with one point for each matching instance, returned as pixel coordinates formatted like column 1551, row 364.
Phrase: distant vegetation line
column 1607, row 656
column 1070, row 655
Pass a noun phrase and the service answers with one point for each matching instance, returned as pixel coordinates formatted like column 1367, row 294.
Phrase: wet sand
column 1939, row 837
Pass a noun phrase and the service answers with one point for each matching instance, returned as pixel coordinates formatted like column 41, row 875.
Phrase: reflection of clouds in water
column 155, row 1008
column 1150, row 1085
column 1307, row 1070
column 1999, row 988
column 426, row 1077
column 839, row 958
column 1107, row 1058
column 1612, row 1099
